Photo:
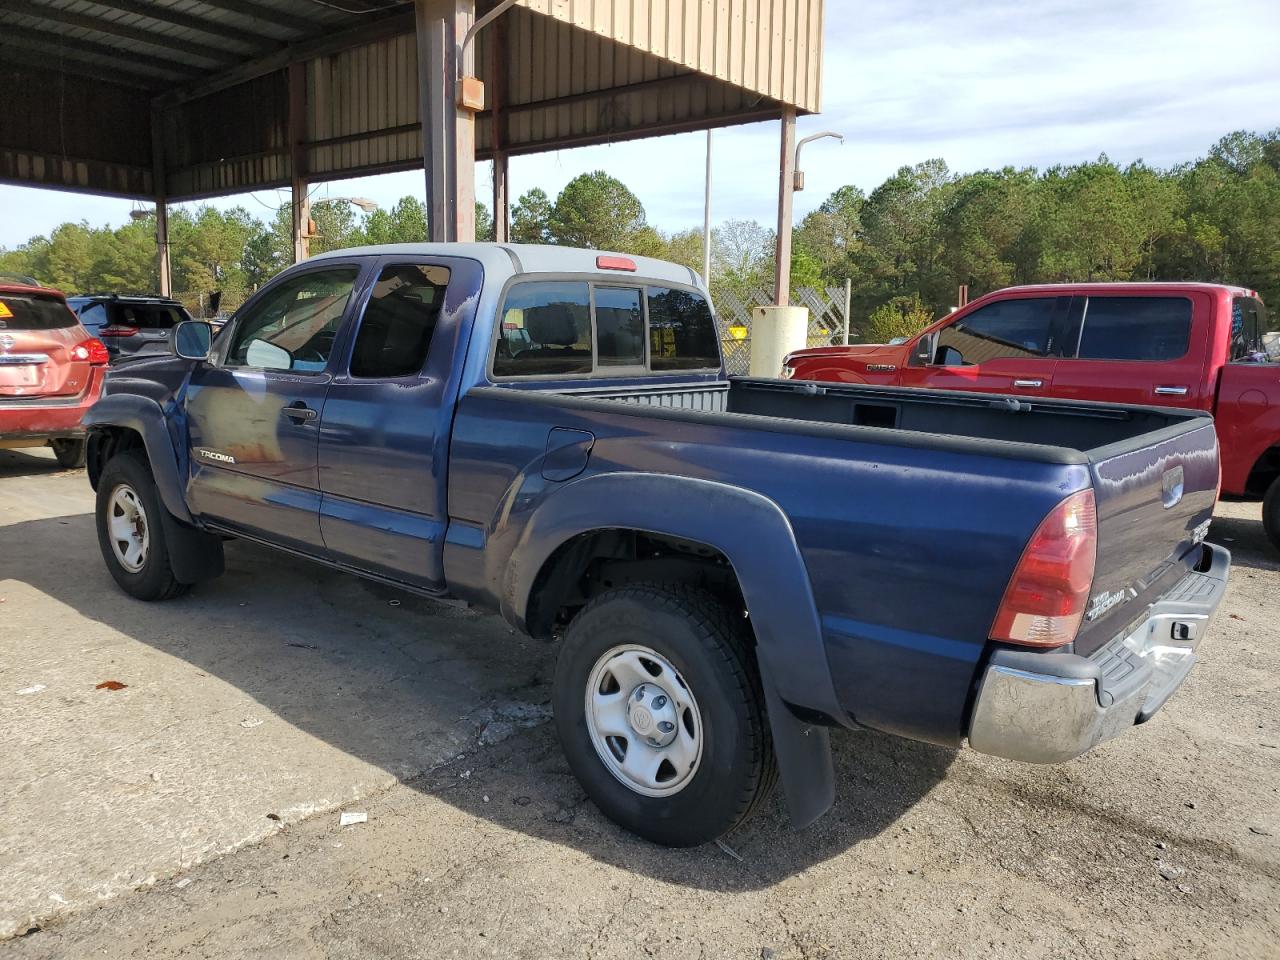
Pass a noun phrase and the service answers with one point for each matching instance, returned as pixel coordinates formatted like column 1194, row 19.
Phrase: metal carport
column 169, row 100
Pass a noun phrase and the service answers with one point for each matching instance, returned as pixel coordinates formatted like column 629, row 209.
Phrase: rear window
column 1135, row 328
column 146, row 316
column 682, row 332
column 546, row 329
column 22, row 312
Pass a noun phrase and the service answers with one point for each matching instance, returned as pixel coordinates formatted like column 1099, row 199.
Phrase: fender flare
column 144, row 416
column 755, row 535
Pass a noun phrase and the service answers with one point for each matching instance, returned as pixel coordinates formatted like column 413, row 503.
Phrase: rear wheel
column 1271, row 513
column 70, row 453
column 659, row 710
column 131, row 532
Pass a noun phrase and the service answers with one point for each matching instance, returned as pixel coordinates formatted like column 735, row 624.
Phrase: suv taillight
column 1045, row 600
column 93, row 350
column 117, row 330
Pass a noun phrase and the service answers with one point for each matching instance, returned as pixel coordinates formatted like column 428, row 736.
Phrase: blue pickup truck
column 730, row 566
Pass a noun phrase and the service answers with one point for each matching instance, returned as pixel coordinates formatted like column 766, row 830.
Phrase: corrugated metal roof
column 564, row 72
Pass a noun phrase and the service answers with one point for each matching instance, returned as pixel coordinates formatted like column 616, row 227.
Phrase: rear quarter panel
column 908, row 549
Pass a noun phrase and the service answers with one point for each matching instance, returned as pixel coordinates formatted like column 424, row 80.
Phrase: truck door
column 384, row 435
column 1005, row 346
column 1247, row 413
column 1138, row 348
column 253, row 413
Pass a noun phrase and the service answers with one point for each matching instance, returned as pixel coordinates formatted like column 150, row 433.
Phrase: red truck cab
column 51, row 372
column 1200, row 345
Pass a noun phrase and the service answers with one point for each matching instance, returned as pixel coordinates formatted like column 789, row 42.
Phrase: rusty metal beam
column 54, row 17
column 786, row 198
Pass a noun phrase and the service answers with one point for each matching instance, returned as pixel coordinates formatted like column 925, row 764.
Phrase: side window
column 294, row 326
column 1252, row 338
column 682, row 332
column 1007, row 328
column 395, row 332
column 546, row 329
column 94, row 317
column 619, row 327
column 1135, row 328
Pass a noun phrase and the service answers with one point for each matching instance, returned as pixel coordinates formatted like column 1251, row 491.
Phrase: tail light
column 1046, row 597
column 117, row 330
column 615, row 263
column 93, row 350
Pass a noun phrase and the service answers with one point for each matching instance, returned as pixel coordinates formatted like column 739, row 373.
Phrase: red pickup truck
column 1200, row 345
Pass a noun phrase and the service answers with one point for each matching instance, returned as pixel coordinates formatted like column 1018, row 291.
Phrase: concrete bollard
column 775, row 332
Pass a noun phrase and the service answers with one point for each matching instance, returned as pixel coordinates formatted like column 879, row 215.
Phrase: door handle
column 299, row 411
column 1028, row 384
column 1172, row 391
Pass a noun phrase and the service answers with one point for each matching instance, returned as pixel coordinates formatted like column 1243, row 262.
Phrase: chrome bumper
column 1051, row 707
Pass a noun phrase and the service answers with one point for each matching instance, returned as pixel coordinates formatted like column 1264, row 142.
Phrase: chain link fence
column 200, row 305
column 827, row 320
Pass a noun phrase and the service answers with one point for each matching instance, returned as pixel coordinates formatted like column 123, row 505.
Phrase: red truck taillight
column 1046, row 597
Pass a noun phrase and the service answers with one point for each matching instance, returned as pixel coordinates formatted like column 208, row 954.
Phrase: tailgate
column 37, row 336
column 1154, row 506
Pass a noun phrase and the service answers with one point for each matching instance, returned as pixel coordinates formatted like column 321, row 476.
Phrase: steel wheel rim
column 127, row 528
column 633, row 695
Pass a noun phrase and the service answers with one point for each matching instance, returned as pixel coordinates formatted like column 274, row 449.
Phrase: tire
column 699, row 673
column 126, row 491
column 1271, row 513
column 70, row 453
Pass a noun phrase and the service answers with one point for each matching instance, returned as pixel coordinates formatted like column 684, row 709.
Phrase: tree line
column 906, row 246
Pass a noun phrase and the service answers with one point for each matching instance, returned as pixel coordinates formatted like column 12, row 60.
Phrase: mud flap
column 194, row 555
column 804, row 761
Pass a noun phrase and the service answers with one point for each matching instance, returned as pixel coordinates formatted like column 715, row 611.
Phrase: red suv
column 1201, row 345
column 51, row 372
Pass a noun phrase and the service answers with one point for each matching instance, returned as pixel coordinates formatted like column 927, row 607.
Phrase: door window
column 294, row 325
column 94, row 317
column 546, row 329
column 619, row 327
column 1021, row 328
column 1135, row 328
column 398, row 322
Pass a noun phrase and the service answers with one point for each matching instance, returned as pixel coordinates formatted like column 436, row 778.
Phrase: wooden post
column 848, row 308
column 301, row 205
column 786, row 186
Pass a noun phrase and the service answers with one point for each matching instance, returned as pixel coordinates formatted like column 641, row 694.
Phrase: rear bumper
column 41, row 419
column 1051, row 707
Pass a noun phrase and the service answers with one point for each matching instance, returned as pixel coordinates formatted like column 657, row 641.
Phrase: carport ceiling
column 193, row 97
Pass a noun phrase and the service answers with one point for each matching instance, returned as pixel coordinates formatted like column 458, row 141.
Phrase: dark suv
column 130, row 326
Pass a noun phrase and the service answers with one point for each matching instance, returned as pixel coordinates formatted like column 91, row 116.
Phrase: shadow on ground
column 347, row 662
column 21, row 463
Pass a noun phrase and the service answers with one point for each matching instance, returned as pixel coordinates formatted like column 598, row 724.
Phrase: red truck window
column 1253, row 337
column 1020, row 327
column 1135, row 328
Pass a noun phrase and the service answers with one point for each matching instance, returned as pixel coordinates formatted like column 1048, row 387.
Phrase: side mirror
column 192, row 339
column 923, row 354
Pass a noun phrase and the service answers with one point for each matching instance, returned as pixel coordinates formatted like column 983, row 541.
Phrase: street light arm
column 816, row 136
column 479, row 25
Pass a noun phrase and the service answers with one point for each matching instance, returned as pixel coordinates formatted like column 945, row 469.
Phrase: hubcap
column 127, row 526
column 643, row 721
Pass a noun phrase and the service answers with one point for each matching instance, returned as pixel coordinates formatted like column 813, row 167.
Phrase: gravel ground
column 1165, row 842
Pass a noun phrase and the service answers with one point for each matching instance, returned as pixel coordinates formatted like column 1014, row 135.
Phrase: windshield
column 20, row 311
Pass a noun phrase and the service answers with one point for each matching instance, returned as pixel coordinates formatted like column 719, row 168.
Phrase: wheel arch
column 126, row 421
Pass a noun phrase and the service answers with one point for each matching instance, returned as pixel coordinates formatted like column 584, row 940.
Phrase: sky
column 980, row 83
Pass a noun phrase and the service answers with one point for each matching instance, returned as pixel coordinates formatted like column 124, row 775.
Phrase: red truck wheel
column 1271, row 513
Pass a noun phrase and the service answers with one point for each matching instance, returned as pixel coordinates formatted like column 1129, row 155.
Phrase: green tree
column 531, row 217
column 900, row 317
column 598, row 212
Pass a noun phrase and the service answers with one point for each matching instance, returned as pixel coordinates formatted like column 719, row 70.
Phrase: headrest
column 551, row 324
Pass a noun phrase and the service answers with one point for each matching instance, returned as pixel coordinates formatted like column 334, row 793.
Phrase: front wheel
column 70, row 453
column 660, row 714
column 1271, row 513
column 131, row 531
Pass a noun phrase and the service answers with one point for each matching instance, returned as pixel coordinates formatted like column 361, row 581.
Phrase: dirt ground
column 195, row 813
